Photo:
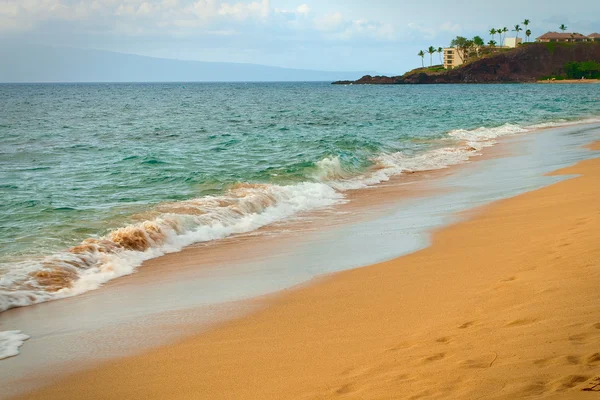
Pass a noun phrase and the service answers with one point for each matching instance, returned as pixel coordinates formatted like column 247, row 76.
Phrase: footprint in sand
column 421, row 395
column 593, row 385
column 466, row 325
column 579, row 338
column 597, row 326
column 434, row 357
column 573, row 360
column 521, row 322
column 347, row 388
column 480, row 362
column 534, row 389
column 593, row 359
column 443, row 340
column 569, row 382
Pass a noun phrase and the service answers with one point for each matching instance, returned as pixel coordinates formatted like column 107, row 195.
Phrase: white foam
column 243, row 209
column 330, row 169
column 562, row 122
column 486, row 135
column 10, row 341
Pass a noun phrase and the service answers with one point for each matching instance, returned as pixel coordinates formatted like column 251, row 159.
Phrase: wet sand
column 504, row 305
column 168, row 298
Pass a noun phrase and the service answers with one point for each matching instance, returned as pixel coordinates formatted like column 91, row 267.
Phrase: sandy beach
column 501, row 306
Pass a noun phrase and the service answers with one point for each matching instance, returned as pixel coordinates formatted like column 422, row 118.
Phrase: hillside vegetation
column 527, row 63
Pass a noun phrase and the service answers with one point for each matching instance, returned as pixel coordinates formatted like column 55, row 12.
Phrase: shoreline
column 467, row 305
column 121, row 264
column 567, row 81
column 122, row 255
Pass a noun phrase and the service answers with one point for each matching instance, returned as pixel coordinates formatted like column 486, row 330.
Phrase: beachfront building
column 512, row 42
column 595, row 37
column 451, row 58
column 554, row 37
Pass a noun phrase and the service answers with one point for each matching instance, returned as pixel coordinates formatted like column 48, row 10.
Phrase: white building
column 512, row 42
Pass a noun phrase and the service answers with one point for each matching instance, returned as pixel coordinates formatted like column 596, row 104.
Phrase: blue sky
column 381, row 35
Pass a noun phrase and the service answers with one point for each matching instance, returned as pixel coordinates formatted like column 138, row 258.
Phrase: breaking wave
column 243, row 208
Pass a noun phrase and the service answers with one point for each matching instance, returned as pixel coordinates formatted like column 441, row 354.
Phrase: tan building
column 451, row 58
column 563, row 37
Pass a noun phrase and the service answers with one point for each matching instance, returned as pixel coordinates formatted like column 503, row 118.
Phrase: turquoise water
column 144, row 169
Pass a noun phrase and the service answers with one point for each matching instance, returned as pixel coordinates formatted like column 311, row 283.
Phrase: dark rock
column 527, row 63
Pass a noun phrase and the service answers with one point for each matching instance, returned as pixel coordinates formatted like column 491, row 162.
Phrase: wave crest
column 243, row 208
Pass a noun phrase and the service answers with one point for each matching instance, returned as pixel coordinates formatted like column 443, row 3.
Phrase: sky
column 374, row 35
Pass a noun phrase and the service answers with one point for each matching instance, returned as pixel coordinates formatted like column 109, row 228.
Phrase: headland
column 527, row 63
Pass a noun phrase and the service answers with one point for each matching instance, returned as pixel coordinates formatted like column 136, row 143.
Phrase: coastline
column 432, row 323
column 567, row 81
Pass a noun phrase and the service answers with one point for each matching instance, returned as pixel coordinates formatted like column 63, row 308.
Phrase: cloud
column 329, row 22
column 303, row 9
column 253, row 20
column 244, row 11
column 374, row 30
column 335, row 27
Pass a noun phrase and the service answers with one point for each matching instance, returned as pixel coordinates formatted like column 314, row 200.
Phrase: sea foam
column 243, row 208
column 10, row 341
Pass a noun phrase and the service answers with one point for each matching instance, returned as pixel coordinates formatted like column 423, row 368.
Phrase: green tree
column 422, row 55
column 462, row 46
column 526, row 23
column 431, row 50
column 563, row 27
column 492, row 43
column 517, row 29
column 499, row 32
column 478, row 43
column 578, row 70
column 493, row 33
column 440, row 53
column 591, row 69
column 504, row 30
column 528, row 33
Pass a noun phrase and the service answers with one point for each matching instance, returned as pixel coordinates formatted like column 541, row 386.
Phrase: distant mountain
column 64, row 64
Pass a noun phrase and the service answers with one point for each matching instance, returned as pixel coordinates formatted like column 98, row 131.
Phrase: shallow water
column 156, row 306
column 123, row 173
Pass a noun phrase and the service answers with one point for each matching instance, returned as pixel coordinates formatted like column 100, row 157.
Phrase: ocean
column 97, row 178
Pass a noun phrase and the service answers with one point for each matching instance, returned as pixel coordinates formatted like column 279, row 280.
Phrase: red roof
column 594, row 36
column 563, row 35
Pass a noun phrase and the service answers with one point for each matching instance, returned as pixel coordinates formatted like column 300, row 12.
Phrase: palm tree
column 440, row 52
column 517, row 29
column 422, row 55
column 499, row 32
column 493, row 33
column 528, row 33
column 526, row 24
column 492, row 43
column 504, row 30
column 563, row 27
column 431, row 50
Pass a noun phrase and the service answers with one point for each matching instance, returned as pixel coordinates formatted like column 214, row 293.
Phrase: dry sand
column 505, row 305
